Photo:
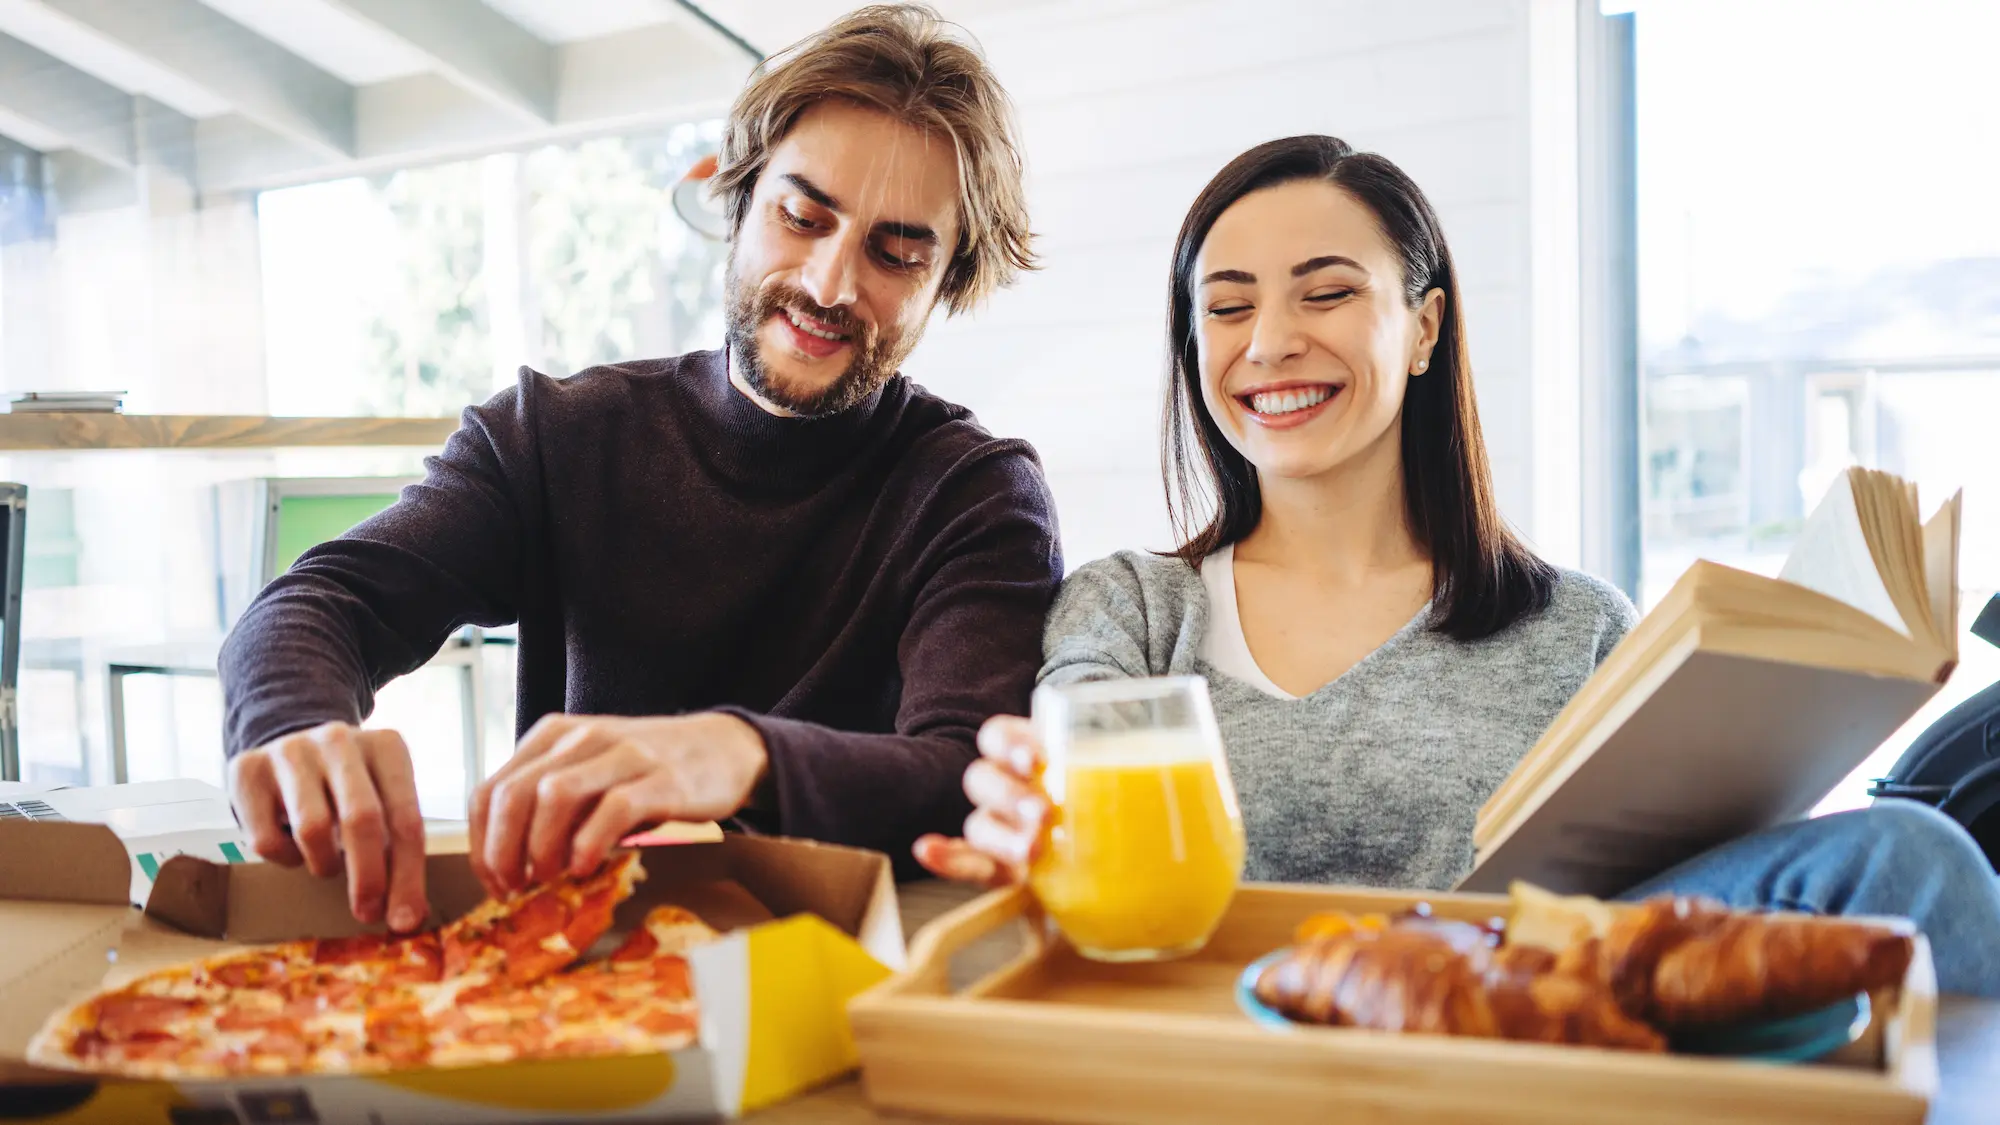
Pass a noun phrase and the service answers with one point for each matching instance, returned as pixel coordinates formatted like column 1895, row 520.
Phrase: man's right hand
column 335, row 797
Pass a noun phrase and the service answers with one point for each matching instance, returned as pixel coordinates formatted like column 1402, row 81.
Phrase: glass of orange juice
column 1145, row 842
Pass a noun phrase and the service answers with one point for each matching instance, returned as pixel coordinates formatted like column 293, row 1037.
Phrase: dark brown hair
column 898, row 59
column 1483, row 577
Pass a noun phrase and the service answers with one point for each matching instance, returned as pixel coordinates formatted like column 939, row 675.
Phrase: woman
column 1380, row 649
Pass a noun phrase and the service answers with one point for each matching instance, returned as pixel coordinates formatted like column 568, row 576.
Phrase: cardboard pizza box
column 807, row 926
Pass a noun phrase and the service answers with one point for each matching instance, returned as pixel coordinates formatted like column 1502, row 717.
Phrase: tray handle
column 948, row 935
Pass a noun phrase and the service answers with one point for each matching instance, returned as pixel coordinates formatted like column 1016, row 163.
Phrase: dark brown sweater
column 865, row 589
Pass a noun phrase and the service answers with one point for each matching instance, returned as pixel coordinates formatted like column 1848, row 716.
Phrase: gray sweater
column 1377, row 777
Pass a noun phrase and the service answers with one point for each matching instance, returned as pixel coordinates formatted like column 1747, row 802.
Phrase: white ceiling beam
column 474, row 46
column 652, row 76
column 623, row 77
column 30, row 135
column 162, row 139
column 258, row 78
column 699, row 14
column 56, row 106
column 79, row 182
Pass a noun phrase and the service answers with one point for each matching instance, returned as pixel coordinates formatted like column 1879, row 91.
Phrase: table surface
column 1968, row 1048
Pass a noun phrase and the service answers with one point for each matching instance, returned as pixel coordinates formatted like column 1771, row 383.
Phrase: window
column 1819, row 280
column 417, row 291
column 422, row 290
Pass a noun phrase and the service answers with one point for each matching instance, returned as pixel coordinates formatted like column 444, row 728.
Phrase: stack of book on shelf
column 67, row 402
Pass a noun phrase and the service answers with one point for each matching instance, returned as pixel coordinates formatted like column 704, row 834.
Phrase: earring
column 1422, row 365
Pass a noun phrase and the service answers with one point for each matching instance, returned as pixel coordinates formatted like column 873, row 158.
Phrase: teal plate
column 1800, row 1038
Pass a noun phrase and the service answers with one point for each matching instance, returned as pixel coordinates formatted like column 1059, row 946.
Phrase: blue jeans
column 1896, row 857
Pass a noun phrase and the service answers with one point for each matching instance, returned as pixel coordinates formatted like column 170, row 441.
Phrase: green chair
column 290, row 516
column 13, row 556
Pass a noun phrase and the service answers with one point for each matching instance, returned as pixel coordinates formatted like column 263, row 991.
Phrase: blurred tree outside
column 611, row 272
column 429, row 334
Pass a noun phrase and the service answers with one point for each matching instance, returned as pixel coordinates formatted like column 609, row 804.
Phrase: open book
column 1739, row 702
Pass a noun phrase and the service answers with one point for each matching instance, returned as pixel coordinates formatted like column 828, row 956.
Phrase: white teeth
column 809, row 329
column 1285, row 402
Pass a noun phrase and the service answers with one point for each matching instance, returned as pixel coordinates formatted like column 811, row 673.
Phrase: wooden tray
column 1053, row 1037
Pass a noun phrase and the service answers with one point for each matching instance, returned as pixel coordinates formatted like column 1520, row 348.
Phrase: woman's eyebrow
column 1241, row 277
column 1310, row 265
column 1322, row 262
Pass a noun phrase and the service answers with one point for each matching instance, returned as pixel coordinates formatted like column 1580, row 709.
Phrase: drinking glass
column 1145, row 841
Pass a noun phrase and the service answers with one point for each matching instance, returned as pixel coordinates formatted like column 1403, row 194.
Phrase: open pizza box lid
column 813, row 923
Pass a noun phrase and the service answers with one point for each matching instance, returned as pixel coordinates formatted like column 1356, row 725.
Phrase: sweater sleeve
column 1616, row 617
column 968, row 651
column 376, row 603
column 1097, row 629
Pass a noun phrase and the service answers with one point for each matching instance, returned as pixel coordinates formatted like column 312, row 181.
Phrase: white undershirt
column 1223, row 647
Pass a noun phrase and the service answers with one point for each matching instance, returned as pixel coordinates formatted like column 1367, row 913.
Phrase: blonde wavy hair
column 899, row 59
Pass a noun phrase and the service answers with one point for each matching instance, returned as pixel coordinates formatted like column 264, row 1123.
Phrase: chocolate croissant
column 1681, row 963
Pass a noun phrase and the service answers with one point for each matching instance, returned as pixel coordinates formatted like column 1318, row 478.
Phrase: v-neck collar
column 1242, row 639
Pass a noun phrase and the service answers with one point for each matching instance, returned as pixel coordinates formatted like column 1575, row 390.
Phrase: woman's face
column 1305, row 340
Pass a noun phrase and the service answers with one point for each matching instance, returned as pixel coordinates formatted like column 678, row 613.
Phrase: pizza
column 640, row 999
column 500, row 984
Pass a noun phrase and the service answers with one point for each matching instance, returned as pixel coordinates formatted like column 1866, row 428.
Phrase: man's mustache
column 838, row 319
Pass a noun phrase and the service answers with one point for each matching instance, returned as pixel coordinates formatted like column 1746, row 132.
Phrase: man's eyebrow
column 813, row 192
column 1241, row 277
column 915, row 232
column 1321, row 262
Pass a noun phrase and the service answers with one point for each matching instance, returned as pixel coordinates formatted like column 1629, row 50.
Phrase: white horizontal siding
column 1126, row 109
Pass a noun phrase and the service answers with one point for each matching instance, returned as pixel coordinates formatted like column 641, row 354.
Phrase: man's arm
column 301, row 668
column 378, row 602
column 969, row 650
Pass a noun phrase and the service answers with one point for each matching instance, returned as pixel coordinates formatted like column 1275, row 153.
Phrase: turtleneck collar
column 749, row 444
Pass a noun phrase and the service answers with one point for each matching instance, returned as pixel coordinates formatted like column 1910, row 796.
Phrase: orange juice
column 1145, row 847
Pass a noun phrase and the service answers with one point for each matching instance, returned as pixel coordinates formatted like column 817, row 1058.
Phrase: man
column 777, row 583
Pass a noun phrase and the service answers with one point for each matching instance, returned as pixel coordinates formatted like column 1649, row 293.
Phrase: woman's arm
column 1106, row 624
column 1616, row 617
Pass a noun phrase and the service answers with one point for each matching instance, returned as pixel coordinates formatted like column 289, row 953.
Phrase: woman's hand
column 1004, row 832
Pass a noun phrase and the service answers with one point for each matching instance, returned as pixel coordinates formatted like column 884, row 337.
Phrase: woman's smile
column 1287, row 405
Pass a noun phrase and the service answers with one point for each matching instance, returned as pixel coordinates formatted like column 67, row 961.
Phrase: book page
column 1832, row 557
column 1941, row 570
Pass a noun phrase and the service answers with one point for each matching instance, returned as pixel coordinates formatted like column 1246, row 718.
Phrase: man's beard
column 874, row 358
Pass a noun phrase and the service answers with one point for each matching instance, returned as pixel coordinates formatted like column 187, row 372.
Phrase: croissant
column 1632, row 948
column 1543, row 997
column 1764, row 968
column 1396, row 979
column 1445, row 978
column 1678, row 962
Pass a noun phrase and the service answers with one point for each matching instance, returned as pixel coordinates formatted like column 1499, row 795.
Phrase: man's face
column 838, row 262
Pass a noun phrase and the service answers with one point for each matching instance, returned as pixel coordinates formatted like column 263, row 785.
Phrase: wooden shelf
column 213, row 431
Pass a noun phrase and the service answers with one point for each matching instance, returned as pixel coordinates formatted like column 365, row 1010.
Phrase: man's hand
column 578, row 784
column 337, row 796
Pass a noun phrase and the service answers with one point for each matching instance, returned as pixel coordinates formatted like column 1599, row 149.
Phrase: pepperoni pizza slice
column 486, row 988
column 638, row 1000
column 529, row 934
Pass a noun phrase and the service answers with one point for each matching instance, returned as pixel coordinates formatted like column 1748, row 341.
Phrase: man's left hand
column 578, row 784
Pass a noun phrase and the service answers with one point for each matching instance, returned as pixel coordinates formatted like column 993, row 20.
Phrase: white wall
column 1127, row 107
